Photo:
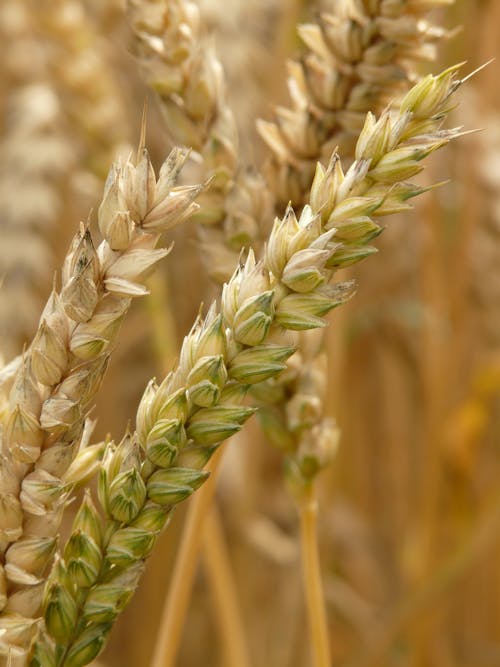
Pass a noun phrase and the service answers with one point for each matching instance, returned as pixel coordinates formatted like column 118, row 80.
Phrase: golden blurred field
column 409, row 524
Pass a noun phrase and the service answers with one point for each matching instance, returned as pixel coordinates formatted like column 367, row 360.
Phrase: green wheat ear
column 178, row 425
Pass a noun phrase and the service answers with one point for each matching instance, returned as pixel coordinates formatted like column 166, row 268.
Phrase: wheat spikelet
column 59, row 375
column 182, row 421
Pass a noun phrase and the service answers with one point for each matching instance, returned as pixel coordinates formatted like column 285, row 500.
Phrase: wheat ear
column 81, row 72
column 192, row 95
column 60, row 373
column 181, row 422
column 360, row 55
column 292, row 407
column 180, row 64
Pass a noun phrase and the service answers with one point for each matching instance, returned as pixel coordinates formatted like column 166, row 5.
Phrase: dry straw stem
column 177, row 601
column 59, row 375
column 223, row 588
column 360, row 55
column 180, row 64
column 292, row 415
column 181, row 422
column 313, row 586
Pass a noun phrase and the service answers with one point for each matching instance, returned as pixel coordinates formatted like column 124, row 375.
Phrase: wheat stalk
column 59, row 375
column 181, row 422
column 217, row 563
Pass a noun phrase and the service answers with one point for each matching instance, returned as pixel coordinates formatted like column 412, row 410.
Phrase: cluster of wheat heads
column 242, row 342
column 180, row 422
column 359, row 56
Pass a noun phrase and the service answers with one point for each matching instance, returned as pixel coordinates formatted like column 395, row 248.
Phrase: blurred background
column 410, row 509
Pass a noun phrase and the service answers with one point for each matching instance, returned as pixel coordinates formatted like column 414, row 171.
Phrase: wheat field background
column 409, row 520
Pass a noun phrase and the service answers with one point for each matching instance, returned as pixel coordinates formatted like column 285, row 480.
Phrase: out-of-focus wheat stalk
column 218, row 563
column 181, row 422
column 35, row 157
column 60, row 374
column 176, row 603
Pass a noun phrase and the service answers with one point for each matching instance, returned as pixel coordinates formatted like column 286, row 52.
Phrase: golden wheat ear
column 59, row 375
column 188, row 78
column 359, row 57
